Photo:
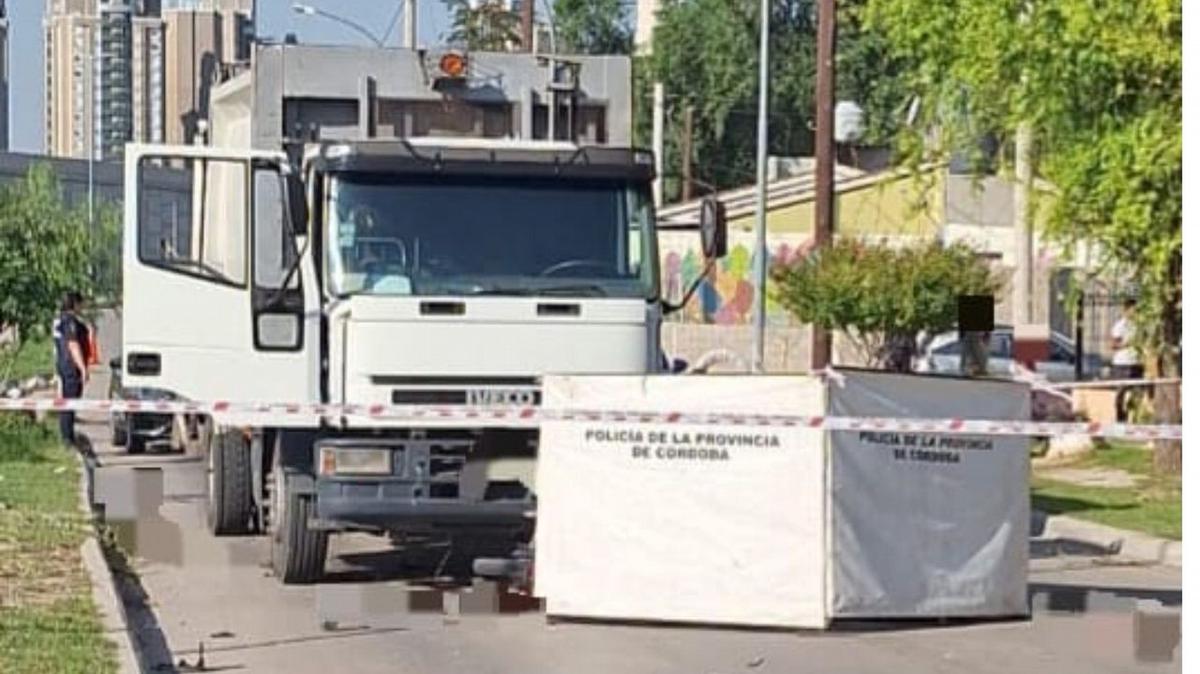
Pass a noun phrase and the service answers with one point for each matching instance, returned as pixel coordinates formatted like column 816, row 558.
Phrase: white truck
column 314, row 260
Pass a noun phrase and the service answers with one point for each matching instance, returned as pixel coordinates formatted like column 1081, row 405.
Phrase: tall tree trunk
column 1168, row 398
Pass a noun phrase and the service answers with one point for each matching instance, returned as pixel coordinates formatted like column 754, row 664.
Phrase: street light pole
column 760, row 215
column 819, row 355
column 410, row 24
column 309, row 10
column 91, row 128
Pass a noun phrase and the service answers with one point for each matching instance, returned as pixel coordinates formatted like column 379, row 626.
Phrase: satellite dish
column 849, row 122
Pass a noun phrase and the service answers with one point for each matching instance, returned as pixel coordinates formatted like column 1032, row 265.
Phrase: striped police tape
column 531, row 417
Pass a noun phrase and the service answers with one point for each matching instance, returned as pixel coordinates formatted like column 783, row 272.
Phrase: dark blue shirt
column 68, row 328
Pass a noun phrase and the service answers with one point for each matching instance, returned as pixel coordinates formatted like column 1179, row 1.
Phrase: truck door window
column 274, row 246
column 192, row 217
column 278, row 303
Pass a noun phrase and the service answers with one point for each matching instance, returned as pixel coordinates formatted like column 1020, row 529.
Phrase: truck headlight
column 355, row 461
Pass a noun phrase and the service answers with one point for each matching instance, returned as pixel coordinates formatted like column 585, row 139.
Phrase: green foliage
column 594, row 26
column 48, row 622
column 44, row 252
column 488, row 25
column 706, row 55
column 105, row 253
column 27, row 358
column 883, row 297
column 1100, row 84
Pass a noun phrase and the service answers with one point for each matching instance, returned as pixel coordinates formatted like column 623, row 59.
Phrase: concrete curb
column 113, row 619
column 1126, row 545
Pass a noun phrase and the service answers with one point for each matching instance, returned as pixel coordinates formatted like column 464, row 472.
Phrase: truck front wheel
column 228, row 468
column 297, row 552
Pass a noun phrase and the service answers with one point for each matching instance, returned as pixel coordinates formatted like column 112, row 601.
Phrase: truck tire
column 297, row 552
column 228, row 493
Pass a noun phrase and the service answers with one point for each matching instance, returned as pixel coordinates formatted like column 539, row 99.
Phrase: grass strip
column 1154, row 506
column 48, row 621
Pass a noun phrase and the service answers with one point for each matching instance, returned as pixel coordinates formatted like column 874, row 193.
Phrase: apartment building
column 135, row 70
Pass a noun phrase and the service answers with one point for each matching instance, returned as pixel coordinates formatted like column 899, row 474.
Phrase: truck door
column 214, row 297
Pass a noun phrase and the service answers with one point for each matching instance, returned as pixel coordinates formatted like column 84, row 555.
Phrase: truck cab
column 409, row 275
column 356, row 291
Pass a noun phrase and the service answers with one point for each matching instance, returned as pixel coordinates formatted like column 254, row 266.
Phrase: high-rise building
column 70, row 28
column 3, row 77
column 149, row 85
column 89, row 73
column 202, row 38
column 135, row 70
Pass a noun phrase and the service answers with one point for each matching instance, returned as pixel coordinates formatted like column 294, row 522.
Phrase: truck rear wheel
column 297, row 552
column 229, row 503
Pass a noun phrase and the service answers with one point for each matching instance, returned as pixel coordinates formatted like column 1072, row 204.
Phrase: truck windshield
column 392, row 234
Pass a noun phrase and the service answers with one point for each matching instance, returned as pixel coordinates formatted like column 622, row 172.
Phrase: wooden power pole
column 527, row 25
column 685, row 151
column 825, row 153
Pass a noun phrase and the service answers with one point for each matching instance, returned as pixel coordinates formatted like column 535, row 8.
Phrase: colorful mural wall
column 726, row 295
column 877, row 207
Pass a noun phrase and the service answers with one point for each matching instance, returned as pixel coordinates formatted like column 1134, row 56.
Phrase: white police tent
column 781, row 526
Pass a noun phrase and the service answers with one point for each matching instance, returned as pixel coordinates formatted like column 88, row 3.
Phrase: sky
column 275, row 19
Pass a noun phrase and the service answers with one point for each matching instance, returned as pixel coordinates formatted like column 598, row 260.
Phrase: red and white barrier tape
column 530, row 417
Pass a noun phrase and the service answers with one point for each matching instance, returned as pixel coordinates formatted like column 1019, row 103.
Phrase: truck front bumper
column 382, row 505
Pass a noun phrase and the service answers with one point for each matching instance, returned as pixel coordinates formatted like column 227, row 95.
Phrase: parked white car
column 942, row 354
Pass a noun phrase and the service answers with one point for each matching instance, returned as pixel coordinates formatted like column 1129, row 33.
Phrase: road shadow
column 1078, row 598
column 1065, row 505
column 420, row 565
column 149, row 642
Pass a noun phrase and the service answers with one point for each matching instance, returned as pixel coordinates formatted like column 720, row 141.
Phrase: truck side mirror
column 714, row 230
column 297, row 203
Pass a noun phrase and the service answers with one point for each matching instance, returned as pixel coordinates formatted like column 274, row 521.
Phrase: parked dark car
column 136, row 431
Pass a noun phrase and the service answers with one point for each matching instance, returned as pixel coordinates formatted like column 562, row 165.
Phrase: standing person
column 1126, row 361
column 70, row 346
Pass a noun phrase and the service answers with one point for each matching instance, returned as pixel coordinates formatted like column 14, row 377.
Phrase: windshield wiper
column 582, row 290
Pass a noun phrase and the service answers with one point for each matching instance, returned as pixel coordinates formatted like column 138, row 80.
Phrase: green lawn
column 1155, row 506
column 36, row 357
column 48, row 622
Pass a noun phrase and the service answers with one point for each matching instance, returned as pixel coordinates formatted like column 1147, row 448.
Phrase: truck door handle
column 144, row 364
column 558, row 309
column 443, row 308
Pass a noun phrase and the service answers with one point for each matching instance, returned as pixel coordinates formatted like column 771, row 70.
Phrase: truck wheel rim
column 278, row 498
column 211, row 475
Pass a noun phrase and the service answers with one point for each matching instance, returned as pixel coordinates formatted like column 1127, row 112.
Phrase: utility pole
column 527, row 25
column 825, row 153
column 760, row 214
column 686, row 152
column 410, row 24
column 659, row 143
column 1031, row 335
column 1022, row 232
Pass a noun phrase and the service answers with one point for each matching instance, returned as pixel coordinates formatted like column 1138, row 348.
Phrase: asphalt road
column 199, row 594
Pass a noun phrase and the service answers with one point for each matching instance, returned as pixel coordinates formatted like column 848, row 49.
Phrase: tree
column 705, row 53
column 882, row 298
column 594, row 26
column 44, row 252
column 1100, row 85
column 105, row 253
column 483, row 25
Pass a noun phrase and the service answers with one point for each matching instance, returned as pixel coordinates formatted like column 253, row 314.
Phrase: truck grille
column 475, row 391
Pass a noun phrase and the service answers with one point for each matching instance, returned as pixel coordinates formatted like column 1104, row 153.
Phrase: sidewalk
column 1124, row 545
